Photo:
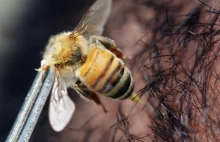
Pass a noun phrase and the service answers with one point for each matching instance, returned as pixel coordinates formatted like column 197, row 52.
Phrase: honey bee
column 89, row 63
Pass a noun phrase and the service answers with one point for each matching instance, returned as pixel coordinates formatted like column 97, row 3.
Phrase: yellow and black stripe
column 106, row 74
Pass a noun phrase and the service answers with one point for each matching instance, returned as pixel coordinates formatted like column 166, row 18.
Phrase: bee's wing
column 61, row 106
column 94, row 20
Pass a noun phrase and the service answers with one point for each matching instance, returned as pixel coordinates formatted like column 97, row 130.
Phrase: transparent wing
column 94, row 20
column 61, row 106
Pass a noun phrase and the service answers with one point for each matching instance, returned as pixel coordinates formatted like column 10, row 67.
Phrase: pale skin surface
column 128, row 23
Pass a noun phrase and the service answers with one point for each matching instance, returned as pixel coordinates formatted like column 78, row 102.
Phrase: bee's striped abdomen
column 105, row 74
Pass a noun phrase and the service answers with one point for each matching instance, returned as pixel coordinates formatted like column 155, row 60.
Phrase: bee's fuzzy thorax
column 61, row 48
column 63, row 54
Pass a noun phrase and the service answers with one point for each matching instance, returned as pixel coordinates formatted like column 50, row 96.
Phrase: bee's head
column 63, row 52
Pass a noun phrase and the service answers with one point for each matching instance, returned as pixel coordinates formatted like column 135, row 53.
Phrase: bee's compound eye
column 76, row 55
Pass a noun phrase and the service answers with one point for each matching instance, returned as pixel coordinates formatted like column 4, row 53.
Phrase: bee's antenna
column 32, row 107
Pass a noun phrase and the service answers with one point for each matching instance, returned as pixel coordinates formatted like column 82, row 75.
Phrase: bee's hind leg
column 87, row 94
column 96, row 99
column 108, row 44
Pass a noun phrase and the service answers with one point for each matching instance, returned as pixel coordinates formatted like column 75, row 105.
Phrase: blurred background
column 174, row 48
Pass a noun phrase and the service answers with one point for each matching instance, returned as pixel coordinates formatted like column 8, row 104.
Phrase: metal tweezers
column 34, row 102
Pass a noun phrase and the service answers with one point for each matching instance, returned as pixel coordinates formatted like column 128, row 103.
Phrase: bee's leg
column 96, row 99
column 82, row 90
column 87, row 94
column 108, row 44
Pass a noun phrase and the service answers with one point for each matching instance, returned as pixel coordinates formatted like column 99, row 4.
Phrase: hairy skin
column 174, row 47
